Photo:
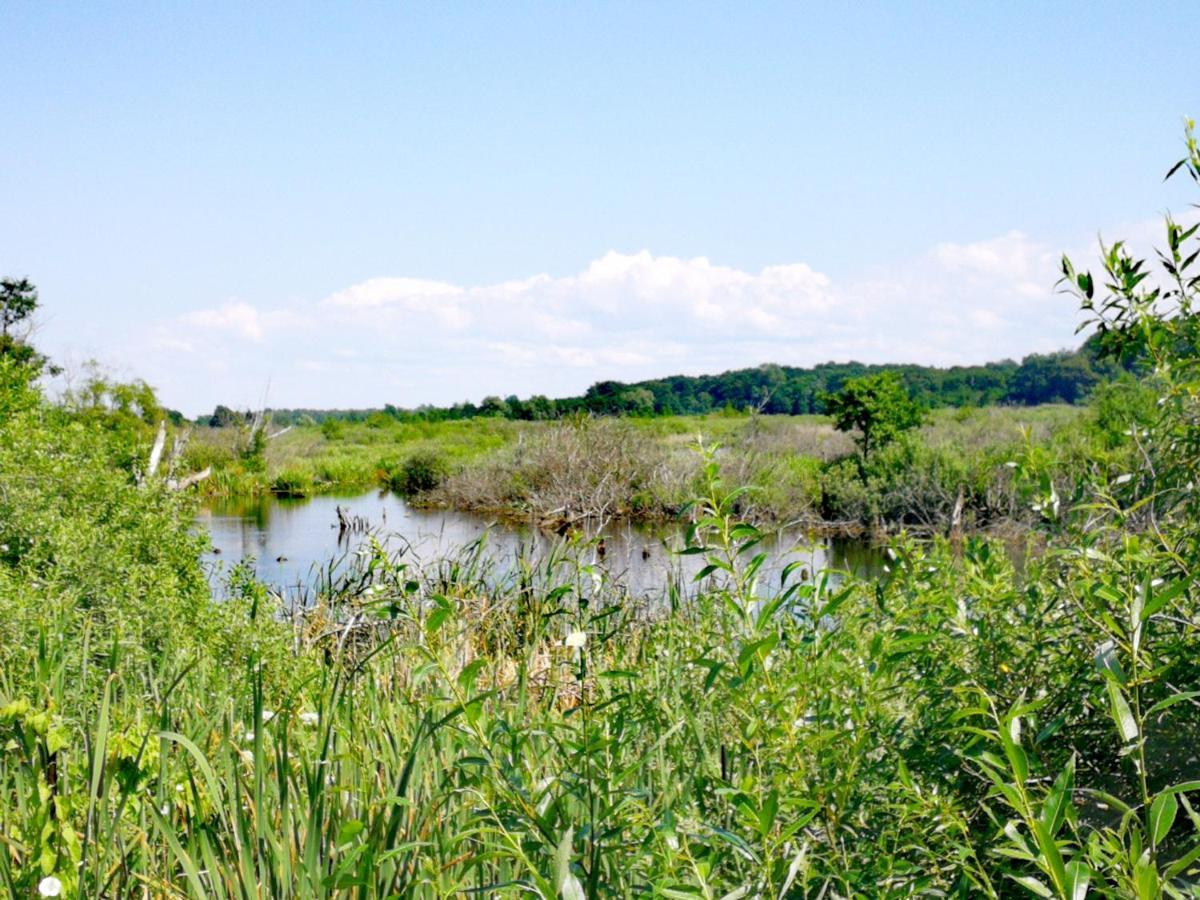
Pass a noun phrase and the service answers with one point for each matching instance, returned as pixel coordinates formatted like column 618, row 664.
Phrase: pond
column 290, row 540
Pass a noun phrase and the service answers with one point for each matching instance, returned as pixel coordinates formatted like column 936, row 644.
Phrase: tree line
column 1063, row 377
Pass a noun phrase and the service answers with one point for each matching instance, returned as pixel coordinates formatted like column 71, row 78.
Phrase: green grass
column 362, row 457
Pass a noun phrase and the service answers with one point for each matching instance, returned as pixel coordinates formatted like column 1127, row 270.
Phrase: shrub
column 420, row 473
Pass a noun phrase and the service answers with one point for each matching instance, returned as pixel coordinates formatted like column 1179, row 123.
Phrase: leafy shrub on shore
column 420, row 473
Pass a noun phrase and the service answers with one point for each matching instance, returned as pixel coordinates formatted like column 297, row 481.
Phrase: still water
column 290, row 540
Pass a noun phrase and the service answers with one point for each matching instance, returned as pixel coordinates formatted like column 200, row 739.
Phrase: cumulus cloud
column 240, row 319
column 627, row 316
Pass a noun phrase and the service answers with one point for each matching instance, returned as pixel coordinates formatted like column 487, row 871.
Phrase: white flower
column 309, row 718
column 576, row 639
column 267, row 715
column 50, row 886
column 248, row 737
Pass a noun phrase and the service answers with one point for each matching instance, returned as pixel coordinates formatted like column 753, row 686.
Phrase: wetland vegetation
column 950, row 727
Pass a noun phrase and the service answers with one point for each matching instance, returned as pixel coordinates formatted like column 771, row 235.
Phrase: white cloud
column 240, row 319
column 411, row 292
column 625, row 316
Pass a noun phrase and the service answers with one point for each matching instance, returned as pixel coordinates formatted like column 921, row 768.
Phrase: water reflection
column 291, row 539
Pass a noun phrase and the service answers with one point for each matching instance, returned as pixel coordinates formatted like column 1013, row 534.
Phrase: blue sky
column 381, row 203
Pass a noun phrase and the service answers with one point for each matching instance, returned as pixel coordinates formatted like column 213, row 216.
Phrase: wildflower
column 248, row 736
column 50, row 886
column 267, row 715
column 576, row 639
column 309, row 718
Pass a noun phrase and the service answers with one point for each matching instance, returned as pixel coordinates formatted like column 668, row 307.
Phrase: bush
column 420, row 473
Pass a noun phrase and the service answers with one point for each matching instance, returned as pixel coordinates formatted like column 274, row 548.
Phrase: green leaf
column 1079, row 876
column 1171, row 701
column 1162, row 816
column 1032, row 884
column 350, row 829
column 1145, row 879
column 1161, row 598
column 1121, row 714
column 1059, row 799
column 466, row 678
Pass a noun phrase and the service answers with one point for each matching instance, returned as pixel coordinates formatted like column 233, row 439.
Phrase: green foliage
column 294, row 481
column 333, row 430
column 253, row 454
column 18, row 301
column 877, row 407
column 418, row 474
column 1065, row 377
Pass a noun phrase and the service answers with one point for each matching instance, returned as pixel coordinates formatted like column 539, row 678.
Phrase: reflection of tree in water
column 855, row 555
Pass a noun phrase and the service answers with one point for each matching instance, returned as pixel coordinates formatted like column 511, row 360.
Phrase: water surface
column 290, row 539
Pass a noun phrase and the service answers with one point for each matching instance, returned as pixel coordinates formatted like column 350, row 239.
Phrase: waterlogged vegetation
column 802, row 468
column 948, row 728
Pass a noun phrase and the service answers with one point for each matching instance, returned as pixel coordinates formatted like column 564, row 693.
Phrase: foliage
column 333, row 430
column 1064, row 377
column 877, row 407
column 960, row 726
column 420, row 473
column 795, row 463
column 18, row 301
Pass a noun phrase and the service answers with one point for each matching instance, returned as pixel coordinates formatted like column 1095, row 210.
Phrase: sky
column 347, row 205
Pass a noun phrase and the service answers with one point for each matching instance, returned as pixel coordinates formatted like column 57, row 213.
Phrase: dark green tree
column 876, row 406
column 18, row 300
column 493, row 406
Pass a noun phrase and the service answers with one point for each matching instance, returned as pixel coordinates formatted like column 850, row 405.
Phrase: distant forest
column 1065, row 377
